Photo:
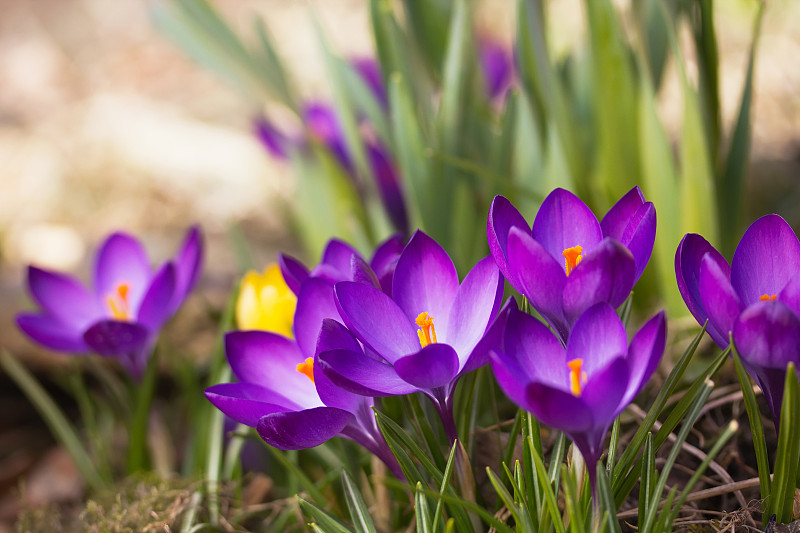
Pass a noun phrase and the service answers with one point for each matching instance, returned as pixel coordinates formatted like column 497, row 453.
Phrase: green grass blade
column 54, row 418
column 607, row 504
column 443, row 488
column 688, row 422
column 733, row 176
column 647, row 480
column 362, row 521
column 137, row 433
column 756, row 426
column 786, row 458
column 574, row 509
column 551, row 503
column 732, row 428
column 421, row 511
column 325, row 521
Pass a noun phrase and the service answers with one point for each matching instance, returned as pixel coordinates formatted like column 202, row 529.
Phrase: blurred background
column 106, row 125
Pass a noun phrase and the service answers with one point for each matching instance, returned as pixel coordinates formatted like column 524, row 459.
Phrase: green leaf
column 54, row 418
column 756, row 427
column 688, row 422
column 615, row 104
column 733, row 177
column 659, row 182
column 574, row 510
column 606, row 497
column 551, row 504
column 786, row 458
column 429, row 25
column 648, row 479
column 325, row 521
column 421, row 511
column 362, row 521
column 732, row 428
column 443, row 488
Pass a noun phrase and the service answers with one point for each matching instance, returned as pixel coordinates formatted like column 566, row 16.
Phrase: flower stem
column 142, row 394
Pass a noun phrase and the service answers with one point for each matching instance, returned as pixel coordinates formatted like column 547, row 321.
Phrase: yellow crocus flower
column 265, row 302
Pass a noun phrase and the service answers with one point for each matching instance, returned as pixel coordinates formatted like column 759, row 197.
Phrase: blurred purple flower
column 757, row 298
column 122, row 316
column 423, row 338
column 582, row 388
column 498, row 67
column 569, row 261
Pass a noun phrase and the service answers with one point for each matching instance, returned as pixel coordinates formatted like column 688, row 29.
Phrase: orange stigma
column 118, row 302
column 572, row 256
column 765, row 297
column 307, row 368
column 575, row 376
column 426, row 332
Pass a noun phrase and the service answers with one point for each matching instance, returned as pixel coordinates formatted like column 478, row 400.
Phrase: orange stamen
column 307, row 368
column 575, row 376
column 118, row 302
column 426, row 332
column 766, row 297
column 572, row 256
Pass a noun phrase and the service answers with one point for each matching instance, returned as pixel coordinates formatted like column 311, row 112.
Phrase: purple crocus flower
column 122, row 315
column 497, row 66
column 292, row 405
column 421, row 339
column 582, row 388
column 281, row 390
column 757, row 298
column 569, row 261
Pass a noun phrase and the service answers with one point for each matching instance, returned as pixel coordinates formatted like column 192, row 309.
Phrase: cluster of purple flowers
column 403, row 322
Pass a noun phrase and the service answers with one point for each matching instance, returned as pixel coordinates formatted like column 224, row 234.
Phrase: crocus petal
column 315, row 302
column 335, row 264
column 511, row 377
column 188, row 264
column 360, row 272
column 63, row 298
column 502, row 217
column 355, row 372
column 632, row 221
column 491, row 340
column 688, row 257
column 717, row 296
column 376, row 320
column 767, row 257
column 276, row 143
column 331, row 395
column 772, row 382
column 270, row 360
column 790, row 295
column 116, row 338
column 597, row 338
column 538, row 352
column 432, row 367
column 384, row 261
column 323, row 126
column 156, row 304
column 619, row 216
column 425, row 279
column 302, row 429
column 541, row 279
column 564, row 221
column 497, row 67
column 334, row 336
column 293, row 271
column 605, row 390
column 767, row 334
column 606, row 274
column 122, row 259
column 247, row 403
column 370, row 72
column 389, row 186
column 475, row 305
column 52, row 333
column 558, row 408
column 644, row 354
